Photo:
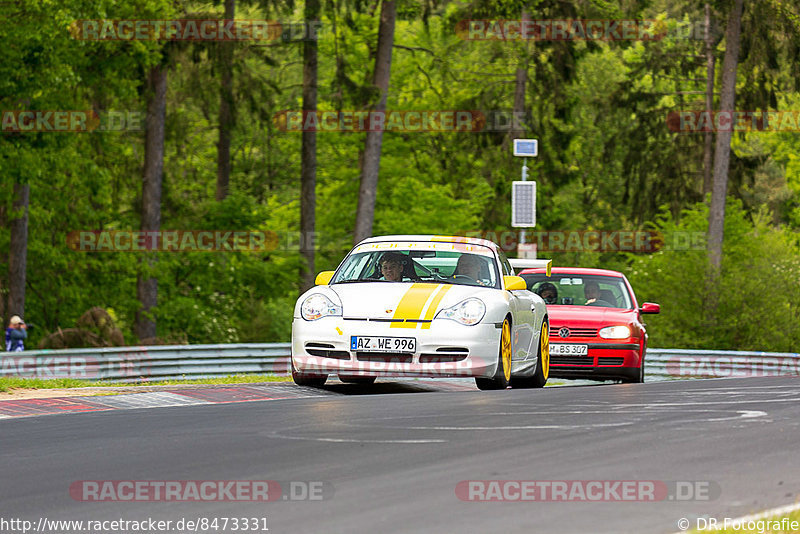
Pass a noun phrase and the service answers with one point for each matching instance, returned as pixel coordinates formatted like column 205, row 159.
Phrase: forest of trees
column 204, row 145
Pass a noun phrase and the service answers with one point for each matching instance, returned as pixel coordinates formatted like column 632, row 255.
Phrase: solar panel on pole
column 523, row 204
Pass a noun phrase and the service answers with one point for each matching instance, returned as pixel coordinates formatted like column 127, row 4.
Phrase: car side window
column 507, row 269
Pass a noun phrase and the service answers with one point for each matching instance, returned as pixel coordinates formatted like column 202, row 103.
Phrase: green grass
column 760, row 526
column 8, row 383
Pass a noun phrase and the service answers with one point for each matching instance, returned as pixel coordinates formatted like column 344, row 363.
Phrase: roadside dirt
column 27, row 393
column 18, row 394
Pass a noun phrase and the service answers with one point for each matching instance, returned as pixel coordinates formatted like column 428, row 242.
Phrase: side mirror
column 324, row 277
column 514, row 283
column 650, row 307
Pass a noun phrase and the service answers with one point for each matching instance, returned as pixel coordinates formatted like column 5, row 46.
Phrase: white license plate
column 573, row 350
column 383, row 344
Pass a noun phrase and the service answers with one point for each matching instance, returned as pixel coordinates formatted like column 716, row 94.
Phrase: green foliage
column 607, row 159
column 758, row 306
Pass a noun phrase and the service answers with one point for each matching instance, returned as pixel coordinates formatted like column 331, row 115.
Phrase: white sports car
column 422, row 306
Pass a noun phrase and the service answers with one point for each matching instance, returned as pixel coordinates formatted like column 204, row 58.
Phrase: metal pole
column 524, row 178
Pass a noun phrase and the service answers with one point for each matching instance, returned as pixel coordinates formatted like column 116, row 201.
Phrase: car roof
column 574, row 270
column 443, row 238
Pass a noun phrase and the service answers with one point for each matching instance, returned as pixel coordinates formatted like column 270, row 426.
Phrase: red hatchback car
column 596, row 327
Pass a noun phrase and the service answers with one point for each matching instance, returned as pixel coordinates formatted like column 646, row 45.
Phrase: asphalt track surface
column 391, row 457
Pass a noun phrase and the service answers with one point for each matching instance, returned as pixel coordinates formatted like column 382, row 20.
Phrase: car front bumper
column 604, row 361
column 444, row 349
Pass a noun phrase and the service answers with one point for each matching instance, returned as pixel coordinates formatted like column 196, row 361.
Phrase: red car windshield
column 580, row 290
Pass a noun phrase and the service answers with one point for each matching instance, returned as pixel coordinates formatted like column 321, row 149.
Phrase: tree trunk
column 519, row 86
column 18, row 250
column 708, row 149
column 308, row 168
column 722, row 152
column 370, row 163
column 4, row 225
column 519, row 100
column 146, row 284
column 226, row 111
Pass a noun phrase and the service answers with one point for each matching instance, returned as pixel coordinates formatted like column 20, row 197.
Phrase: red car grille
column 610, row 360
column 571, row 360
column 555, row 332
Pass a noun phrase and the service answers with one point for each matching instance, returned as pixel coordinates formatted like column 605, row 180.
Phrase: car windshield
column 420, row 261
column 580, row 290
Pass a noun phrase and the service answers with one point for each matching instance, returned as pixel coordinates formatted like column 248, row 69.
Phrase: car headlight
column 615, row 332
column 468, row 312
column 317, row 306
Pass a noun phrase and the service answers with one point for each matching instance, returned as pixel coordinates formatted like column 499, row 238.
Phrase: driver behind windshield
column 392, row 266
column 591, row 291
column 548, row 292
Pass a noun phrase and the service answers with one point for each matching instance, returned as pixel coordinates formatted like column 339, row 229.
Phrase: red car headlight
column 615, row 332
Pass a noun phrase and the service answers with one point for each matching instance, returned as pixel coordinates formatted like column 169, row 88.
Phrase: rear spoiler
column 524, row 263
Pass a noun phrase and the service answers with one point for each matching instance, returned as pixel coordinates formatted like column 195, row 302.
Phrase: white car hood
column 386, row 300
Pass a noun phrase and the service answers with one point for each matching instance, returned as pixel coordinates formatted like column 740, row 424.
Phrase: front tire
column 542, row 373
column 502, row 375
column 639, row 378
column 311, row 380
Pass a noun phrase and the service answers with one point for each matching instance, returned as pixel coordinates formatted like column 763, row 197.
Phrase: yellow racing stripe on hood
column 437, row 298
column 412, row 303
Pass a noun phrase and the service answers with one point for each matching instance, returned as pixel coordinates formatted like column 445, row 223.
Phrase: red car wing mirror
column 650, row 307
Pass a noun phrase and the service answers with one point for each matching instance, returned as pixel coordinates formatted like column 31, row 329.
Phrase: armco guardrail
column 695, row 363
column 134, row 364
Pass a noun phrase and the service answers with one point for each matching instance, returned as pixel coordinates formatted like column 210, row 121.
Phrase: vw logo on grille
column 563, row 332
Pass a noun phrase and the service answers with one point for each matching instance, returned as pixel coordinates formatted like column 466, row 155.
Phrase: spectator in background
column 16, row 333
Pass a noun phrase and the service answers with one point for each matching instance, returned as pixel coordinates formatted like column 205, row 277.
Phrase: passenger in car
column 548, row 292
column 469, row 265
column 608, row 296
